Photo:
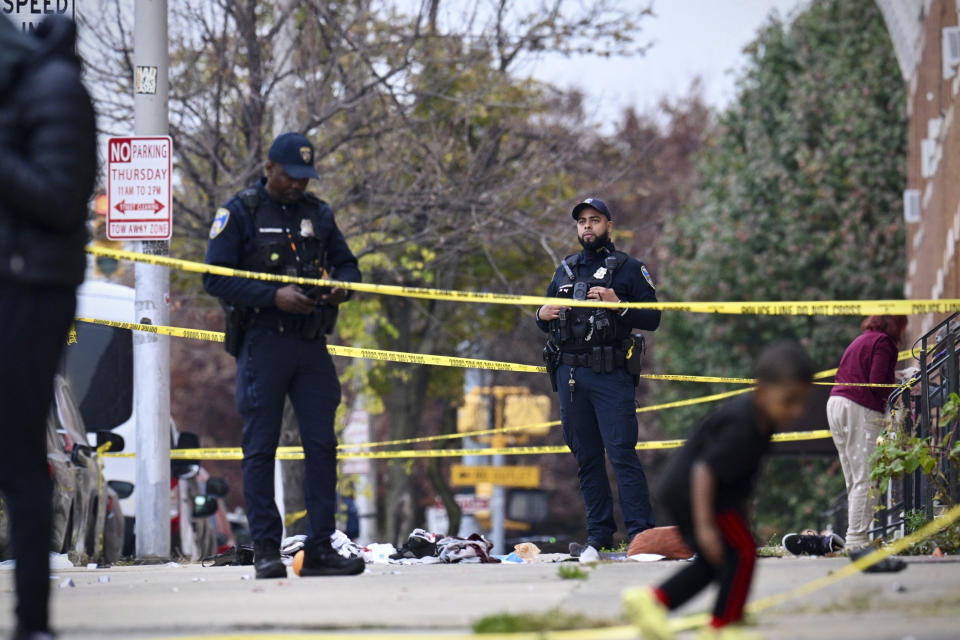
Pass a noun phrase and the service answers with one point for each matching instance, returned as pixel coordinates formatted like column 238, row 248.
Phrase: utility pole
column 498, row 501
column 151, row 352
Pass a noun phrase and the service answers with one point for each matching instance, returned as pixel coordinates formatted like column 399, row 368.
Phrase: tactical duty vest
column 285, row 244
column 579, row 328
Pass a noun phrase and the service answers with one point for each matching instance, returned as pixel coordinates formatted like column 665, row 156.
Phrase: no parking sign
column 138, row 188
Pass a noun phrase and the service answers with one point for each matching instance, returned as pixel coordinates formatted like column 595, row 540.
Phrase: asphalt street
column 922, row 602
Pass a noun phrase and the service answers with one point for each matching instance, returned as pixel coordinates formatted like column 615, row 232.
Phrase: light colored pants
column 855, row 429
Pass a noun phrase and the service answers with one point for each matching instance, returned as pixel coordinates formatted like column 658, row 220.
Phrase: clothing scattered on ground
column 338, row 540
column 663, row 541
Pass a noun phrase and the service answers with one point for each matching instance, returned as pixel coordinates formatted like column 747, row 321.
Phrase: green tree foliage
column 798, row 195
column 797, row 198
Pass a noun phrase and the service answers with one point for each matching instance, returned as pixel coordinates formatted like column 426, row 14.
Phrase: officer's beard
column 597, row 242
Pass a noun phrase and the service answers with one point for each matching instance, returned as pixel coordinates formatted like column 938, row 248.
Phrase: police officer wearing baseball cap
column 278, row 335
column 593, row 357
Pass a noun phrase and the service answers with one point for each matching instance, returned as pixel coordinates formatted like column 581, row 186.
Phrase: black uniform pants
column 271, row 366
column 733, row 576
column 600, row 421
column 33, row 332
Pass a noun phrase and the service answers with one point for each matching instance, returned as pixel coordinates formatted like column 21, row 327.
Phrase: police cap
column 593, row 203
column 295, row 154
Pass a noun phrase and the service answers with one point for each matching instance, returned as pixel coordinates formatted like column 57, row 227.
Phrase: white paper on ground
column 646, row 557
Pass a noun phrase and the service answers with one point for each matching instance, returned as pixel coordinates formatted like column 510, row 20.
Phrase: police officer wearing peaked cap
column 278, row 335
column 594, row 359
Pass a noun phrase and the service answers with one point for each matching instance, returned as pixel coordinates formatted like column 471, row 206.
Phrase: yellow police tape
column 429, row 359
column 777, row 308
column 628, row 632
column 296, row 453
column 396, row 356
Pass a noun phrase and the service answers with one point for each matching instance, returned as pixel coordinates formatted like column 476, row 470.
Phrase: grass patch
column 571, row 572
column 553, row 620
column 770, row 552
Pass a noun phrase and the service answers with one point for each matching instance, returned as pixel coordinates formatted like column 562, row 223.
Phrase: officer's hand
column 550, row 312
column 292, row 299
column 336, row 296
column 602, row 293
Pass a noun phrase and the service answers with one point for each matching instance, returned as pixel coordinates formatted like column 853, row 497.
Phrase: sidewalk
column 159, row 602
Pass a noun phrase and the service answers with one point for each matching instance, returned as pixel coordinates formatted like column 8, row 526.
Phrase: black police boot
column 321, row 559
column 269, row 565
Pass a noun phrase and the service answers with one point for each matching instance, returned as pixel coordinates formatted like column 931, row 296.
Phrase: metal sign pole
column 151, row 353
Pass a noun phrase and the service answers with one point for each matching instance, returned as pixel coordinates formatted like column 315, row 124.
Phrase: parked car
column 87, row 519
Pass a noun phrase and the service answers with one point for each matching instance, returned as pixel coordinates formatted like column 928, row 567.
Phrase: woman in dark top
column 856, row 414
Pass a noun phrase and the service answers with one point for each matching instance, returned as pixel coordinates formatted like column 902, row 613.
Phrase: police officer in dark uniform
column 593, row 358
column 278, row 335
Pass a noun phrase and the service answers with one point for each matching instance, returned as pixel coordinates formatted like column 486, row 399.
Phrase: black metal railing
column 919, row 407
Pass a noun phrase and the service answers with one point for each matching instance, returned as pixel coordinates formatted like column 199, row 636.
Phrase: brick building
column 926, row 39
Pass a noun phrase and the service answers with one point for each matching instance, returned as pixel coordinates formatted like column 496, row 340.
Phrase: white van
column 99, row 369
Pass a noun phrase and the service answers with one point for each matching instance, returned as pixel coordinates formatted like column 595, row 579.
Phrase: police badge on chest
column 306, row 228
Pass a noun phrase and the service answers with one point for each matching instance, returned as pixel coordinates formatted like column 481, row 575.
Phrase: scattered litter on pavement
column 68, row 583
column 378, row 553
column 175, row 589
column 510, row 558
column 199, row 580
column 527, row 550
column 646, row 557
column 245, row 576
column 899, row 588
column 173, row 565
column 92, row 565
column 57, row 561
column 589, row 554
column 103, row 579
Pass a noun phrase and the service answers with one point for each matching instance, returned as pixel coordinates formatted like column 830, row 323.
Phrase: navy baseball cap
column 593, row 203
column 295, row 154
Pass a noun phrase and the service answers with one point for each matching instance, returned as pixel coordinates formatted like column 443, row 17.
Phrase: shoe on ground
column 728, row 632
column 801, row 544
column 269, row 567
column 321, row 559
column 890, row 564
column 576, row 548
column 647, row 613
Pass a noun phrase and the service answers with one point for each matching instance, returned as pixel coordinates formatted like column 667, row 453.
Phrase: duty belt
column 276, row 323
column 600, row 359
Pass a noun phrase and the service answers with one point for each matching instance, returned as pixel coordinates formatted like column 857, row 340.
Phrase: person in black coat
column 49, row 162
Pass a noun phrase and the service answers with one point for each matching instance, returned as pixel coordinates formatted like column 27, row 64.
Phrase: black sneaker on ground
column 270, row 566
column 576, row 548
column 322, row 559
column 800, row 544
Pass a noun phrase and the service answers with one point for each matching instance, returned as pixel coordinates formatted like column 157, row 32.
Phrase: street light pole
column 151, row 352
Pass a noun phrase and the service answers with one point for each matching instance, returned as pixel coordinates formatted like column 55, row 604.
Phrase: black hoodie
column 48, row 157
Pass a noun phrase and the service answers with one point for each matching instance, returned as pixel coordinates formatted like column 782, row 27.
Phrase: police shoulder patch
column 219, row 222
column 647, row 276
